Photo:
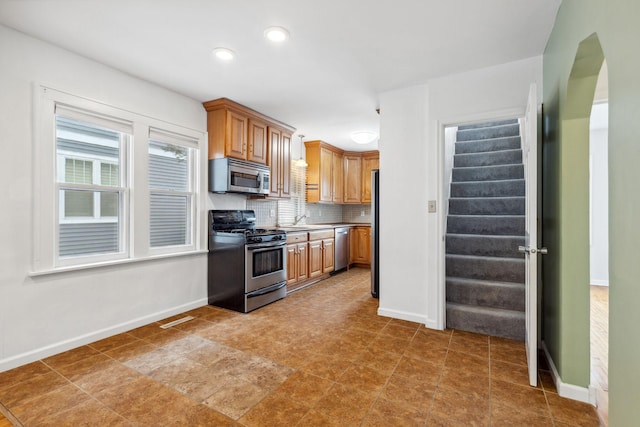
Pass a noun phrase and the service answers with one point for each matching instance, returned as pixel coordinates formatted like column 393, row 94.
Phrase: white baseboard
column 402, row 315
column 59, row 347
column 570, row 391
column 600, row 282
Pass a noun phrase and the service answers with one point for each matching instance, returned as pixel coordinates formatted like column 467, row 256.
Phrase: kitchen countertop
column 307, row 227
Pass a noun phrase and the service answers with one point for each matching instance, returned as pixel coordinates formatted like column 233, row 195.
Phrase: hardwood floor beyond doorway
column 600, row 348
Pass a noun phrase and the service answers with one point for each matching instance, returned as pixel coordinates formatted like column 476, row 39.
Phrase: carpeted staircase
column 485, row 226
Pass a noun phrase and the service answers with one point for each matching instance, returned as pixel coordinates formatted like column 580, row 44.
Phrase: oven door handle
column 265, row 245
column 267, row 290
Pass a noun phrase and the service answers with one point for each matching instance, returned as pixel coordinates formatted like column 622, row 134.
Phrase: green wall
column 584, row 30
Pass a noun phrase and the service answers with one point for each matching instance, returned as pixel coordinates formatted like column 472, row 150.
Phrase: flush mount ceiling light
column 223, row 53
column 276, row 34
column 363, row 137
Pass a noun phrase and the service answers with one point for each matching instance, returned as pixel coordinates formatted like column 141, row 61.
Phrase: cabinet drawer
column 297, row 237
column 321, row 234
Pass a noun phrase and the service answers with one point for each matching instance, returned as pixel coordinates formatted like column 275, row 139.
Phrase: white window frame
column 135, row 206
column 166, row 137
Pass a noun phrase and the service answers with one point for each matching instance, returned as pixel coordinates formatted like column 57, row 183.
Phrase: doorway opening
column 599, row 242
column 485, row 226
column 583, row 224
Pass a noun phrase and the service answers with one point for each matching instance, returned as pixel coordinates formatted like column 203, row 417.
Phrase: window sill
column 71, row 268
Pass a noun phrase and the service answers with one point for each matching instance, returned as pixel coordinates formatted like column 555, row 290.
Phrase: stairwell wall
column 411, row 148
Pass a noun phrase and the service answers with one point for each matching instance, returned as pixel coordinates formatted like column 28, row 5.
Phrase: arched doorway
column 577, row 170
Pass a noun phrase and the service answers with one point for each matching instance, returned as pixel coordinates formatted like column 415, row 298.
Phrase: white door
column 530, row 160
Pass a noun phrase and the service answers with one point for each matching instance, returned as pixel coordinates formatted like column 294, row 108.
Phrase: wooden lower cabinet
column 321, row 257
column 315, row 258
column 328, row 255
column 297, row 263
column 360, row 242
column 310, row 257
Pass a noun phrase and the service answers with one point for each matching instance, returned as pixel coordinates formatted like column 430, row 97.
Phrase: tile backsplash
column 270, row 213
column 356, row 213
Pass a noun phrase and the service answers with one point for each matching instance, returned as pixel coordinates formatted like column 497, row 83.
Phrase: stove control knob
column 257, row 239
column 277, row 237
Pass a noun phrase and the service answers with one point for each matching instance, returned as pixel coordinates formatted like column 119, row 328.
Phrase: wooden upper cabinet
column 337, row 182
column 280, row 162
column 325, row 173
column 274, row 161
column 257, row 151
column 242, row 133
column 285, row 165
column 352, row 178
column 236, row 138
column 369, row 162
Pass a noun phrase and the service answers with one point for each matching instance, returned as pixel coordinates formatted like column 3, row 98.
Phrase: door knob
column 525, row 249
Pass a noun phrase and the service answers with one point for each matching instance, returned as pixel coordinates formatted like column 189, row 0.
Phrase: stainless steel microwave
column 227, row 175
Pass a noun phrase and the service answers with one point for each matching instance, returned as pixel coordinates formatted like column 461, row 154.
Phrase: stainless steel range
column 247, row 266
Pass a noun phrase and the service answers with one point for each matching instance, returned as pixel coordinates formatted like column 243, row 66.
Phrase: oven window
column 269, row 261
column 240, row 179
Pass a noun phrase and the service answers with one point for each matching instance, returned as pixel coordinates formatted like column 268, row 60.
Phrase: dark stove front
column 245, row 270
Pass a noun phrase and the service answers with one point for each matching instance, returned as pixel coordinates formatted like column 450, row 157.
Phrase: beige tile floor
column 320, row 357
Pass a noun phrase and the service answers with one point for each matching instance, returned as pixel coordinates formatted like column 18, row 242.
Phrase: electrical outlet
column 319, row 213
column 308, row 214
column 362, row 212
column 272, row 213
column 431, row 206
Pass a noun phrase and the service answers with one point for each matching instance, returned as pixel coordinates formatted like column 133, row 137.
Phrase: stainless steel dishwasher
column 341, row 248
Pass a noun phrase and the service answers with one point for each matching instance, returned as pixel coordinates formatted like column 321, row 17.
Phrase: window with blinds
column 90, row 190
column 90, row 158
column 171, row 194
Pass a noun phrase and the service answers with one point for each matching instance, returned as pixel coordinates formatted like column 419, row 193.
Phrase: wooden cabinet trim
column 226, row 103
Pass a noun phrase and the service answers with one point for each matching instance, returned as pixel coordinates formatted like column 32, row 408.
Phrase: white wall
column 405, row 186
column 40, row 316
column 412, row 124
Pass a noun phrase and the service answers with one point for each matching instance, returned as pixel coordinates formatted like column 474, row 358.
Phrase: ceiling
column 324, row 80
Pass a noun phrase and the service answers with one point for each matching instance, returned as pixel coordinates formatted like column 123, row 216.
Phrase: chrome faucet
column 298, row 219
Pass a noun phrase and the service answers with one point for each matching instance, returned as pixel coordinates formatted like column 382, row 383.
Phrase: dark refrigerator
column 375, row 233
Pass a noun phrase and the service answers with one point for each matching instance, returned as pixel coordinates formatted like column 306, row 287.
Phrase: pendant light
column 301, row 162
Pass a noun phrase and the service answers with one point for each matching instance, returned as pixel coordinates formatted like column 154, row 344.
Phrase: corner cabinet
column 245, row 134
column 337, row 176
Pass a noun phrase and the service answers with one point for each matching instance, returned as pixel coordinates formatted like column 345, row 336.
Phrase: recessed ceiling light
column 363, row 137
column 276, row 34
column 224, row 53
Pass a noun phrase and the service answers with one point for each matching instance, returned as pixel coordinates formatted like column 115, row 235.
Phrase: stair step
column 488, row 158
column 487, row 206
column 487, row 173
column 498, row 269
column 490, row 321
column 505, row 295
column 489, row 124
column 512, row 225
column 501, row 188
column 495, row 144
column 483, row 245
column 488, row 132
